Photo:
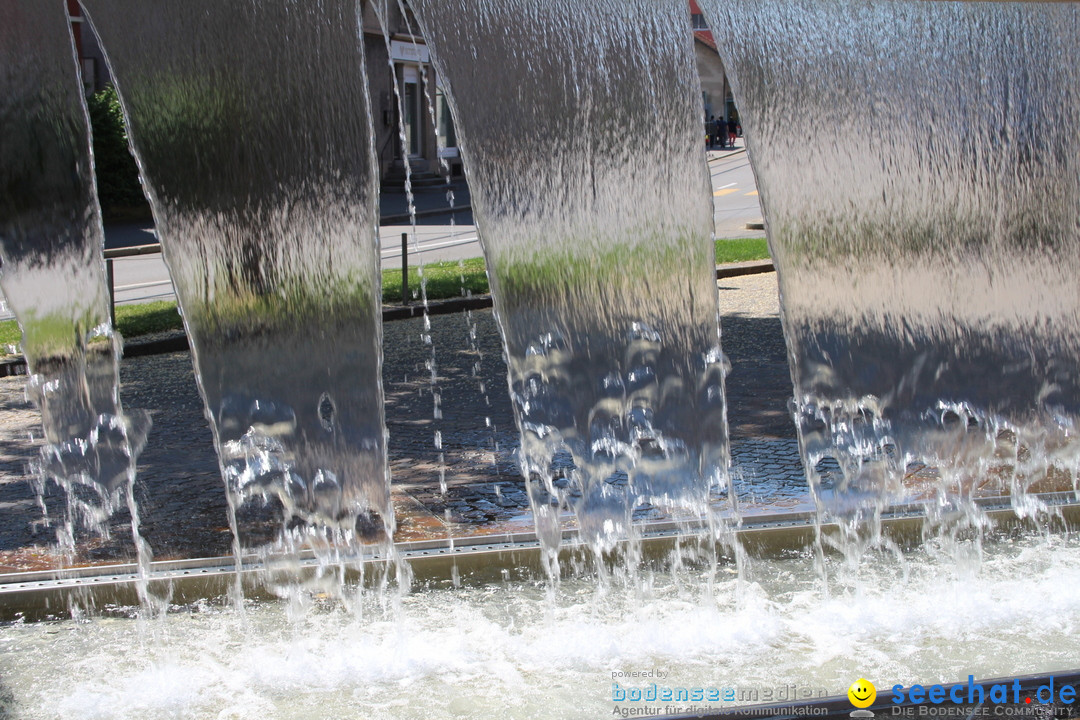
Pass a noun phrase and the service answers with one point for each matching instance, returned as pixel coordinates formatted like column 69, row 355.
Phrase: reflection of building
column 715, row 90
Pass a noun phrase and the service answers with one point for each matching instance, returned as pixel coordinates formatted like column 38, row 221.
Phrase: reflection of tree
column 249, row 272
column 250, row 124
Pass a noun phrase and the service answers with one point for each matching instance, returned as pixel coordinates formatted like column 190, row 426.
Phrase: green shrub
column 119, row 190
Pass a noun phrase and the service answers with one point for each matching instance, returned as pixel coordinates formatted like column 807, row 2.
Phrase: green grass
column 9, row 335
column 544, row 277
column 444, row 280
column 131, row 320
column 294, row 304
column 741, row 250
column 146, row 318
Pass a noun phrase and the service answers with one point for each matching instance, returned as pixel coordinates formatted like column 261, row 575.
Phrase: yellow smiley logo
column 862, row 693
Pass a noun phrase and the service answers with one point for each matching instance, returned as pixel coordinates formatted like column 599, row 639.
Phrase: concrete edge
column 15, row 365
column 752, row 267
column 476, row 559
column 179, row 343
column 724, row 157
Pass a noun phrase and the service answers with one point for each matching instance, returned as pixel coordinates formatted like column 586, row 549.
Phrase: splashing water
column 53, row 276
column 926, row 229
column 590, row 194
column 250, row 124
column 487, row 651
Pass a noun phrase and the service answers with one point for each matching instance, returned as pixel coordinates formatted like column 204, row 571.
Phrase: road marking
column 725, row 191
column 751, row 193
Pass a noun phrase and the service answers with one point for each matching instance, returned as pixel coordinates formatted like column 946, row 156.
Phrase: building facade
column 716, row 93
column 95, row 74
column 417, row 108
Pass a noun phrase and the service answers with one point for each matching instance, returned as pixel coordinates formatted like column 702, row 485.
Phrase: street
column 144, row 278
column 735, row 196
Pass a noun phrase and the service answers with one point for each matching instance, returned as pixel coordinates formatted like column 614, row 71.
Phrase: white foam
column 502, row 649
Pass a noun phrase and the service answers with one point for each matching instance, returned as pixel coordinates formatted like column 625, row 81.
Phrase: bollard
column 112, row 291
column 404, row 268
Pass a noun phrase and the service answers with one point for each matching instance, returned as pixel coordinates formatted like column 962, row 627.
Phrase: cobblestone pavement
column 182, row 501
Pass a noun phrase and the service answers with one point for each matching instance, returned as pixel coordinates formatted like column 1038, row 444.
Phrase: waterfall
column 251, row 126
column 580, row 129
column 53, row 274
column 919, row 169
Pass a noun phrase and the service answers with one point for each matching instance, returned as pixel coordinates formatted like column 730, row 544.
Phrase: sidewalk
column 432, row 204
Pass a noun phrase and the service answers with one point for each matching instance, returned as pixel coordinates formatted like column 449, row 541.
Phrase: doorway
column 412, row 96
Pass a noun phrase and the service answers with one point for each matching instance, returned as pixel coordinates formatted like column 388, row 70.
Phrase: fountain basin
column 477, row 558
column 512, row 647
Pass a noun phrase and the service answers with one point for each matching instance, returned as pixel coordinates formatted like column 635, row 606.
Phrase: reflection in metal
column 53, row 270
column 919, row 168
column 580, row 129
column 251, row 127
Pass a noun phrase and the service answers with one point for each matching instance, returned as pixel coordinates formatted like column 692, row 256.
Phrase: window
column 445, row 125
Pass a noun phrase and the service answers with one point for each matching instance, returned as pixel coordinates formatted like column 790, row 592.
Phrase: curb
column 179, row 342
column 752, row 267
column 400, row 217
column 438, row 307
column 13, row 366
column 723, row 157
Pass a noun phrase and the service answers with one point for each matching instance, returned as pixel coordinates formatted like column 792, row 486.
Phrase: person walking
column 732, row 131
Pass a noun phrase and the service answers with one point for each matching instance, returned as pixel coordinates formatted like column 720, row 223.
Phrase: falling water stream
column 382, row 10
column 919, row 169
column 50, row 228
column 262, row 180
column 591, row 201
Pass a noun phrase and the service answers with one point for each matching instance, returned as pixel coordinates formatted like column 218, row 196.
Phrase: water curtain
column 251, row 127
column 919, row 169
column 53, row 275
column 580, row 128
